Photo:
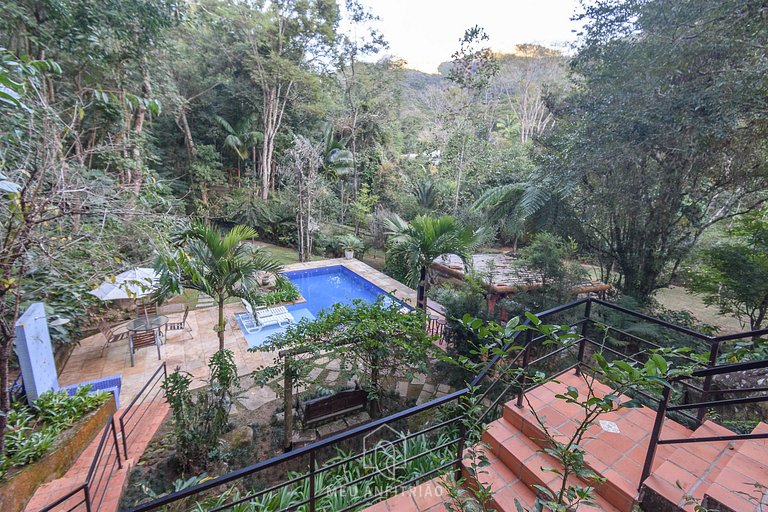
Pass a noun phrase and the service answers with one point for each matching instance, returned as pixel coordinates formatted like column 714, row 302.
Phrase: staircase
column 712, row 473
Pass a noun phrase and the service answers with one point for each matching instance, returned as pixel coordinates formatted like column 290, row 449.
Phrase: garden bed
column 19, row 484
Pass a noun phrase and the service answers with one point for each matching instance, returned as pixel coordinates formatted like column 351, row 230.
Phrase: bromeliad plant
column 624, row 378
column 219, row 265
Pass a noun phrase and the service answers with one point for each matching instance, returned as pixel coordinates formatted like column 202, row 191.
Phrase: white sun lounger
column 280, row 320
column 268, row 312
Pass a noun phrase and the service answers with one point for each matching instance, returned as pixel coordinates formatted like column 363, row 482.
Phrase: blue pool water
column 322, row 288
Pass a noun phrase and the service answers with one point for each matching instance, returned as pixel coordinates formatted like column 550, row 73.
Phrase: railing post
column 312, row 481
column 714, row 350
column 460, row 448
column 655, row 435
column 526, row 350
column 87, row 492
column 124, row 436
column 584, row 331
column 117, row 444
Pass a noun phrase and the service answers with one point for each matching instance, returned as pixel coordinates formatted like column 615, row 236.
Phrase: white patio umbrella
column 131, row 284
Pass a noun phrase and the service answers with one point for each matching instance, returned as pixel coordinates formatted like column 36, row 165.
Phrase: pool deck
column 190, row 350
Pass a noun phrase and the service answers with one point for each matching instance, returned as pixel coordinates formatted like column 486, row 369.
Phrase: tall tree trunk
column 274, row 101
column 183, row 123
column 288, row 405
column 421, row 289
column 137, row 173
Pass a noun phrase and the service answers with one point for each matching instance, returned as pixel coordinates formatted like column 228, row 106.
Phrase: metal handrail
column 702, row 406
column 129, row 412
column 90, row 488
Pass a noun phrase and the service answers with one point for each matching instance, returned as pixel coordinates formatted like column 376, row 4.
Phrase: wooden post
column 288, row 405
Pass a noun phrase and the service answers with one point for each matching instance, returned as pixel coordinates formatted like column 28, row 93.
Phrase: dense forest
column 123, row 119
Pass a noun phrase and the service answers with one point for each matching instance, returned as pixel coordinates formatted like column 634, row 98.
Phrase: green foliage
column 370, row 341
column 338, row 487
column 415, row 245
column 32, row 431
column 200, row 419
column 643, row 156
column 285, row 291
column 349, row 242
column 734, row 273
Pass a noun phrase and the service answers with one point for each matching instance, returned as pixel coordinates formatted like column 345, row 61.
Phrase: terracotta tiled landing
column 691, row 468
column 734, row 486
column 76, row 475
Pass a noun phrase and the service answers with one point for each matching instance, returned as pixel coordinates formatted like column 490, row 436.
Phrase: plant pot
column 349, row 254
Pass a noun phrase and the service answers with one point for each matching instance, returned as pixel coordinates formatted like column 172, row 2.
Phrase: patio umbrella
column 131, row 284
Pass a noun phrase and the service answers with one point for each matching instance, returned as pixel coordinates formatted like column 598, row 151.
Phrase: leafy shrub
column 285, row 291
column 200, row 420
column 32, row 431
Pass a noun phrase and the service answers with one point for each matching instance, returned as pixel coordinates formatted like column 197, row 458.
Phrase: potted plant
column 350, row 244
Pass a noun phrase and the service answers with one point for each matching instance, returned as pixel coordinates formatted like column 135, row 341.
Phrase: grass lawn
column 284, row 255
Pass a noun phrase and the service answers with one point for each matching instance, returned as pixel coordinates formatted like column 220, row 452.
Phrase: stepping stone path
column 257, row 396
column 420, row 390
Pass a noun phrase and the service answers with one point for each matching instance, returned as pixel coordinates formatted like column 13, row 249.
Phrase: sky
column 426, row 32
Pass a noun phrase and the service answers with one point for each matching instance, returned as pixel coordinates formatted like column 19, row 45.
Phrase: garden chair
column 110, row 336
column 178, row 326
column 141, row 339
column 146, row 310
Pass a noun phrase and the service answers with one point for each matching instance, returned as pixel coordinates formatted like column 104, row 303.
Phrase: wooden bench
column 326, row 408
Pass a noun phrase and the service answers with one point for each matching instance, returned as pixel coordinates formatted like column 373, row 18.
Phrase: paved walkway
column 190, row 350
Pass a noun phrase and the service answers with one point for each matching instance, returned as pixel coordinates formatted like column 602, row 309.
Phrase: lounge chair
column 267, row 312
column 141, row 339
column 280, row 320
column 250, row 309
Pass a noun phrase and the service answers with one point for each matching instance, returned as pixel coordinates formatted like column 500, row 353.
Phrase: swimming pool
column 321, row 288
column 324, row 287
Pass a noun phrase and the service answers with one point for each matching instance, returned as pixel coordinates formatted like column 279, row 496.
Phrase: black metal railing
column 131, row 417
column 93, row 490
column 584, row 316
column 707, row 403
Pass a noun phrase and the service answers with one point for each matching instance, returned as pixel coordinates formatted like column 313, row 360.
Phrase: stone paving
column 191, row 349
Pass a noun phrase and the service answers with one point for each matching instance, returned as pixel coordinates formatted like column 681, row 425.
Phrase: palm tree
column 418, row 243
column 523, row 207
column 216, row 264
column 241, row 138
